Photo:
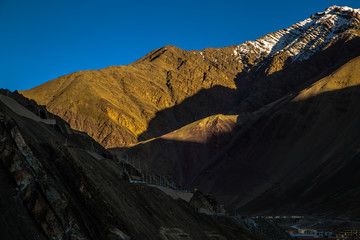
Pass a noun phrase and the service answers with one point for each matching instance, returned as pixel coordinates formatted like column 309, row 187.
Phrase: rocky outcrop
column 38, row 192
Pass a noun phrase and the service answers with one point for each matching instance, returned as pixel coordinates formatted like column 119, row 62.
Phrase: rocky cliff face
column 170, row 87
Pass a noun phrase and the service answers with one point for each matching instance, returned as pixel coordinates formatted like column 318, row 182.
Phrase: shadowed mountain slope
column 301, row 159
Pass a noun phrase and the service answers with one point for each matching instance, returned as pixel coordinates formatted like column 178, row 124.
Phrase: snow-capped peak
column 340, row 9
column 304, row 38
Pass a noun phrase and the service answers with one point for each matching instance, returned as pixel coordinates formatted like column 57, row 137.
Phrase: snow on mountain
column 304, row 38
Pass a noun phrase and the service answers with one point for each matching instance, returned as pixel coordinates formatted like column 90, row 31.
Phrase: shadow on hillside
column 314, row 142
column 177, row 159
column 205, row 103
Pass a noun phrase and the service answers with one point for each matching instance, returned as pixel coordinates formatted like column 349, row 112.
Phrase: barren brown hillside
column 115, row 105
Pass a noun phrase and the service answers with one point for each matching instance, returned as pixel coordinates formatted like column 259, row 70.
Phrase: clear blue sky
column 43, row 39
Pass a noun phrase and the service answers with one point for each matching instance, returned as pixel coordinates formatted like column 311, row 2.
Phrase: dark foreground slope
column 53, row 188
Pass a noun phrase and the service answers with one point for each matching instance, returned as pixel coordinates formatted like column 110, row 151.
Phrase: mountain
column 293, row 156
column 58, row 183
column 115, row 105
column 170, row 87
column 267, row 126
